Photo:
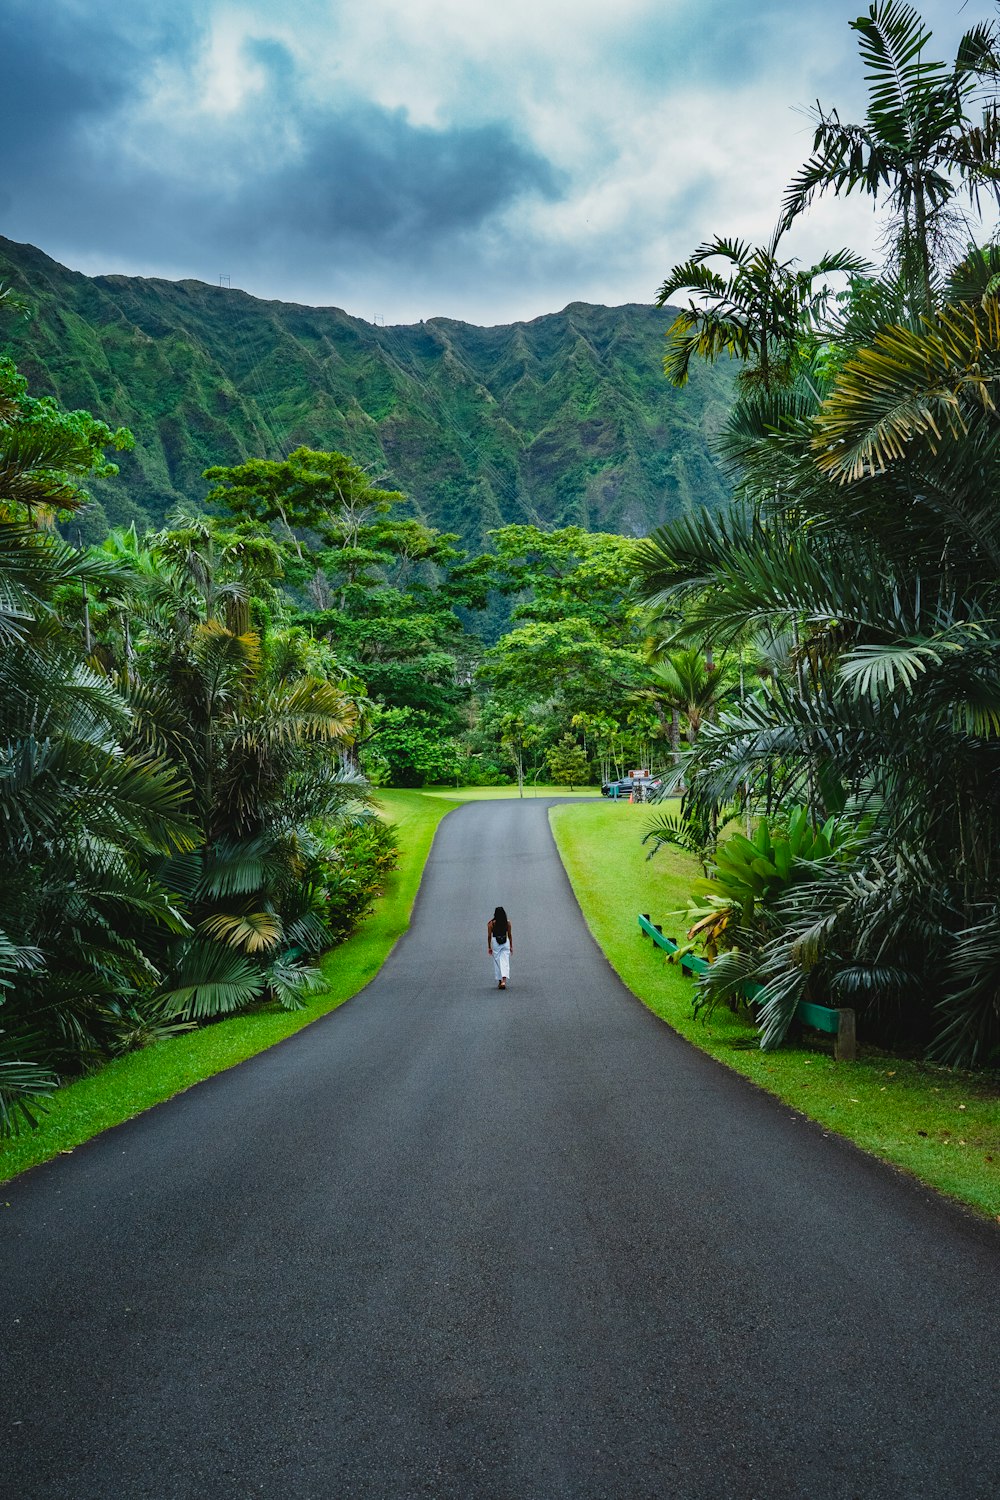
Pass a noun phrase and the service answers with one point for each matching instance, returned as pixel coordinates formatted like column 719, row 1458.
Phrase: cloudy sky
column 489, row 160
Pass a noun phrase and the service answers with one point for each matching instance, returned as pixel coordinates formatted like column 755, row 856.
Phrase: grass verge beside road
column 941, row 1126
column 492, row 793
column 130, row 1084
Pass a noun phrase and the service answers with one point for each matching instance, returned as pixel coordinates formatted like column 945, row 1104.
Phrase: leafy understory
column 140, row 1079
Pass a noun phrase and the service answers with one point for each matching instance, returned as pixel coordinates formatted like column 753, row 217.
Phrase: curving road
column 456, row 1243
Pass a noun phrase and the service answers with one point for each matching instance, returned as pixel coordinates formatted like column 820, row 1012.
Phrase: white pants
column 501, row 959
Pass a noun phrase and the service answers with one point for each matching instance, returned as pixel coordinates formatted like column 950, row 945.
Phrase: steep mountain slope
column 566, row 419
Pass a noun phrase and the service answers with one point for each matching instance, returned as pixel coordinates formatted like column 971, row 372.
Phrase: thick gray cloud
column 416, row 156
column 375, row 178
column 64, row 67
column 363, row 177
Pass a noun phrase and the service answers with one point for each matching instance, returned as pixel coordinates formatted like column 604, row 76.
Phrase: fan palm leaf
column 291, row 982
column 212, row 981
column 250, row 931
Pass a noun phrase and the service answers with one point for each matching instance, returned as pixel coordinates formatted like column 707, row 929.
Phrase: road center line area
column 455, row 1242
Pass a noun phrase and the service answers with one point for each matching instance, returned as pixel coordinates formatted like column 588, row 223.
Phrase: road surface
column 450, row 1242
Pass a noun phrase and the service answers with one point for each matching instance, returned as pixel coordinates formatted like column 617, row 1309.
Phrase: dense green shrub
column 359, row 856
column 410, row 750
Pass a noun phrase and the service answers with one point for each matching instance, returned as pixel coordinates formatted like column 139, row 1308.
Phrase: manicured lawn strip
column 491, row 793
column 133, row 1083
column 942, row 1126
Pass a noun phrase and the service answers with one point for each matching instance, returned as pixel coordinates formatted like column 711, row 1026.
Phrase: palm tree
column 82, row 821
column 242, row 711
column 889, row 576
column 867, row 536
column 758, row 313
column 916, row 138
column 685, row 686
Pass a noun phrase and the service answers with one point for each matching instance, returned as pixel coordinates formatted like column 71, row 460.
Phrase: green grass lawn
column 490, row 793
column 942, row 1126
column 133, row 1083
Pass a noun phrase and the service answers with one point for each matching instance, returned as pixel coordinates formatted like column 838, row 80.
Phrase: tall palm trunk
column 923, row 249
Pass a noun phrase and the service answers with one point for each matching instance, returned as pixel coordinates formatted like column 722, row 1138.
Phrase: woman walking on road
column 500, row 946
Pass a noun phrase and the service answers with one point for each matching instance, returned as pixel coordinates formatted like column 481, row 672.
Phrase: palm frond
column 925, row 383
column 239, row 869
column 211, row 981
column 877, row 669
column 968, row 1031
column 668, row 828
column 291, row 982
column 251, row 931
column 24, row 1084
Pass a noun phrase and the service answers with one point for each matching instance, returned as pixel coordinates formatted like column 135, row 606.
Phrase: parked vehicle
column 637, row 787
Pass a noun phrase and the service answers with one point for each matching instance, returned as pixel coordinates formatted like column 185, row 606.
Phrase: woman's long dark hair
column 500, row 925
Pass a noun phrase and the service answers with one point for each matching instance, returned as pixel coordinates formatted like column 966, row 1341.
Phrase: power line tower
column 225, row 281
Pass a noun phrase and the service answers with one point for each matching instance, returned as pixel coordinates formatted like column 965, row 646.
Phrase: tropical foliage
column 83, row 822
column 919, row 144
column 191, row 716
column 182, row 828
column 755, row 314
column 865, row 550
column 572, row 661
column 377, row 589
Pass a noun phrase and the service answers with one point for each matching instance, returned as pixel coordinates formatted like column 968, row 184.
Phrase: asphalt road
column 456, row 1243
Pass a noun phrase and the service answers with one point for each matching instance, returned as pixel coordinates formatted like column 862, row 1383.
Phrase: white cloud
column 632, row 132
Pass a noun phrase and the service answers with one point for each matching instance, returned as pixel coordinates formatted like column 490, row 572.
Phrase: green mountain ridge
column 563, row 420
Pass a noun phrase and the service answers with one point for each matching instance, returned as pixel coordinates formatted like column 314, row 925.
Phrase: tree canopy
column 857, row 578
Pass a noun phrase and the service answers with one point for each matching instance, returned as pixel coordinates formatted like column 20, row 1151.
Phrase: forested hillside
column 565, row 420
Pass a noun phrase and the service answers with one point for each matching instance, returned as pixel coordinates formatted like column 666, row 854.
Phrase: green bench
column 837, row 1023
column 690, row 963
